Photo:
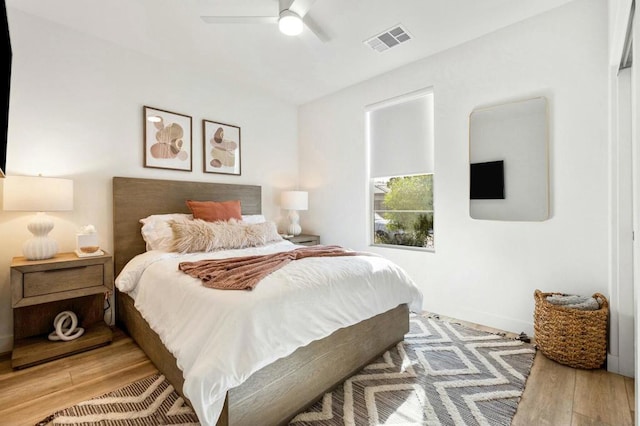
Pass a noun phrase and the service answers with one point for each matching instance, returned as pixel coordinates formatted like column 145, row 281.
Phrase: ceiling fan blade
column 284, row 4
column 240, row 19
column 315, row 29
column 301, row 7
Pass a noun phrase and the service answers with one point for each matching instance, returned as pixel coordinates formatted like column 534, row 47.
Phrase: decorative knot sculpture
column 66, row 327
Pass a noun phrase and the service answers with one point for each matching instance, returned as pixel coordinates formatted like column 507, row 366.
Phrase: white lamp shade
column 37, row 194
column 295, row 200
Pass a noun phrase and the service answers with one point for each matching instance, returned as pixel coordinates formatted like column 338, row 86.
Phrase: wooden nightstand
column 40, row 289
column 305, row 240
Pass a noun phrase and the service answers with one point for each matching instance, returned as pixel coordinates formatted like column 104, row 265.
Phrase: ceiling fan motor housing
column 290, row 23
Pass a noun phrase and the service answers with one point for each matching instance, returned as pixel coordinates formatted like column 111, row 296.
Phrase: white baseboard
column 616, row 365
column 613, row 363
column 6, row 343
column 492, row 320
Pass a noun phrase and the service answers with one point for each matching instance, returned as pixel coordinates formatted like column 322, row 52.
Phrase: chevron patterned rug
column 147, row 402
column 441, row 374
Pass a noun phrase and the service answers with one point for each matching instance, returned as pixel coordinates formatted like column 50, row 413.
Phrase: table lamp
column 38, row 194
column 294, row 201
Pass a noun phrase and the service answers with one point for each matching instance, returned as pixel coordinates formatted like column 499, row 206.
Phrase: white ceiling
column 296, row 69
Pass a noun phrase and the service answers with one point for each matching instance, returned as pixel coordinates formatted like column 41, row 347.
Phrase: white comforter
column 221, row 337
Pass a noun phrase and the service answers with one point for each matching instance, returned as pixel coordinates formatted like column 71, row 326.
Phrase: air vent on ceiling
column 388, row 39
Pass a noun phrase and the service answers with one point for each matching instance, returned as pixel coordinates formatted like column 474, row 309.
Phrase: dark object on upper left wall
column 6, row 85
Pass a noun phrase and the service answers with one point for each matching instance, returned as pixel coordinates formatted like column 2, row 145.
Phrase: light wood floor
column 555, row 395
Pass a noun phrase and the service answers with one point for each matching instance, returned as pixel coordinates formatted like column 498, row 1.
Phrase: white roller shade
column 401, row 136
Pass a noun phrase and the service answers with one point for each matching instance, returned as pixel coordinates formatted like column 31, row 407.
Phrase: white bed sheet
column 220, row 337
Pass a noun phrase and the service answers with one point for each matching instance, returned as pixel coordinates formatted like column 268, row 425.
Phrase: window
column 403, row 210
column 400, row 139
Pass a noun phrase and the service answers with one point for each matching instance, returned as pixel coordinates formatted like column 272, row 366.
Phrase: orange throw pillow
column 212, row 211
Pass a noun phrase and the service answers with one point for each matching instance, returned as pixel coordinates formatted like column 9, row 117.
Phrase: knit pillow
column 201, row 236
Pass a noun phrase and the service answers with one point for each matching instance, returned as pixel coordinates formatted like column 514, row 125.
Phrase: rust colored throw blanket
column 244, row 273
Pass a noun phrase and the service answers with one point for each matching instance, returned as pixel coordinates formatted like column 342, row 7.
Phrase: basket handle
column 605, row 302
column 541, row 295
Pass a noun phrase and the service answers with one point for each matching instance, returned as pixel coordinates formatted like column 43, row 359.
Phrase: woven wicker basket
column 571, row 336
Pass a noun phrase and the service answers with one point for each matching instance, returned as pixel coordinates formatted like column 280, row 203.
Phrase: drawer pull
column 65, row 269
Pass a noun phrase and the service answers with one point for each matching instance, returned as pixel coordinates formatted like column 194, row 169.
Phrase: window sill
column 400, row 247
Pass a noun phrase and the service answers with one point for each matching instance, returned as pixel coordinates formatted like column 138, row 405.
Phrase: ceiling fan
column 291, row 19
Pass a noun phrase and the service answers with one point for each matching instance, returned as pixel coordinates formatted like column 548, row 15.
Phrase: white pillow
column 253, row 218
column 157, row 233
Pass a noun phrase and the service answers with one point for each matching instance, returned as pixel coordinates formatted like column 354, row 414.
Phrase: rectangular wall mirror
column 508, row 161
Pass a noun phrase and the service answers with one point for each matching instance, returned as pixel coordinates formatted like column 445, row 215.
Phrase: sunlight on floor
column 411, row 411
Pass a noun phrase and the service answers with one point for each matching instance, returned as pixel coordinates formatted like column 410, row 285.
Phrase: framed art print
column 221, row 147
column 167, row 140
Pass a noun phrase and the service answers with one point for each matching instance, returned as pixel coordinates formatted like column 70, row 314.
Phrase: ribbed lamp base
column 40, row 246
column 294, row 225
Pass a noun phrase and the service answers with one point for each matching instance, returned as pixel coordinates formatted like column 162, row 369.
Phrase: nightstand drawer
column 304, row 239
column 58, row 280
column 307, row 241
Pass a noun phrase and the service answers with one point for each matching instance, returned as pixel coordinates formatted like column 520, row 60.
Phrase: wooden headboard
column 134, row 199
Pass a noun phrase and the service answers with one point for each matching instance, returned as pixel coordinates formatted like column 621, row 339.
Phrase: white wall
column 483, row 271
column 76, row 112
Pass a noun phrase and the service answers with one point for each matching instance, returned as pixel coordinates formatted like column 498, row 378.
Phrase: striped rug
column 441, row 374
column 151, row 401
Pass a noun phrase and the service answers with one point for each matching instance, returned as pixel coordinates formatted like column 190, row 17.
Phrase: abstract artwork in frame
column 167, row 140
column 221, row 147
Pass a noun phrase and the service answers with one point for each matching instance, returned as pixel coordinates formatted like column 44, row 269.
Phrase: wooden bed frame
column 277, row 392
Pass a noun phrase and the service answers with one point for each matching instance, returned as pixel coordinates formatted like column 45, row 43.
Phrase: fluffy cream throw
column 244, row 273
column 197, row 235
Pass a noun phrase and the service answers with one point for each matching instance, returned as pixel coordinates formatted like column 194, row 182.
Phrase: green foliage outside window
column 407, row 211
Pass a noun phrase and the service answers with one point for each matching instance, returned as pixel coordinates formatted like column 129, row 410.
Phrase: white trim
column 399, row 99
column 621, row 334
column 635, row 126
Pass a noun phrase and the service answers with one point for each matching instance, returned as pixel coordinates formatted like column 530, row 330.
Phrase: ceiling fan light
column 290, row 23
